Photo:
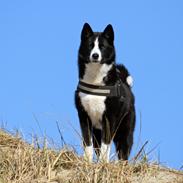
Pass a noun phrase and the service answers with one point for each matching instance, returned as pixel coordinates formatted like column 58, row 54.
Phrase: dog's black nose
column 95, row 56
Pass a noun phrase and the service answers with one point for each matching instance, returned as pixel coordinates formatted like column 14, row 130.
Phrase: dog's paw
column 129, row 81
column 88, row 154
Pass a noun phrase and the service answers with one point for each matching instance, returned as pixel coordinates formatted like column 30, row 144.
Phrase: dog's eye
column 91, row 45
column 101, row 45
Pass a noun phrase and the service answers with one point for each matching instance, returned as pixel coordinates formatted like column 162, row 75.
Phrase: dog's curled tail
column 125, row 75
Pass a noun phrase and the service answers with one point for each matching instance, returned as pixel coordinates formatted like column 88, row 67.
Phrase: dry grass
column 21, row 162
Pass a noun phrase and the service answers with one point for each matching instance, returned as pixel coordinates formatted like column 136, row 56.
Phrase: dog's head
column 97, row 47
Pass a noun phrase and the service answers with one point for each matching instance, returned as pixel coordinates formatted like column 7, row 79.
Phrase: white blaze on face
column 96, row 50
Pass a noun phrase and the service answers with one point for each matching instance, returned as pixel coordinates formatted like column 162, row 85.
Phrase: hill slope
column 21, row 162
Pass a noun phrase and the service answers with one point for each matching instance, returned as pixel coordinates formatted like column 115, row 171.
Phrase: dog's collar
column 116, row 90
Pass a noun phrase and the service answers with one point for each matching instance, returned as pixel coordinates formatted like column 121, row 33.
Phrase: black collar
column 116, row 90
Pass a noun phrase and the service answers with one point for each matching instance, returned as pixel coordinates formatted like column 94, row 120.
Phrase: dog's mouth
column 95, row 61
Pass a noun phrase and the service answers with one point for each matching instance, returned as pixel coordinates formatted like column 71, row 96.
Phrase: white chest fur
column 94, row 105
column 95, row 73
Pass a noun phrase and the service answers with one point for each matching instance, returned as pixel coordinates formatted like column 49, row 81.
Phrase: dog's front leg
column 86, row 129
column 106, row 140
column 87, row 143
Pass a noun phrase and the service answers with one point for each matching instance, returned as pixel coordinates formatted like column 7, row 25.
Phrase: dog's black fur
column 118, row 119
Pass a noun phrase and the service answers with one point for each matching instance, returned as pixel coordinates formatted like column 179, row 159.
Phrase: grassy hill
column 21, row 162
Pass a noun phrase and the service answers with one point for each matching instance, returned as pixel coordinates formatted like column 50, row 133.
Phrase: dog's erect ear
column 109, row 33
column 86, row 31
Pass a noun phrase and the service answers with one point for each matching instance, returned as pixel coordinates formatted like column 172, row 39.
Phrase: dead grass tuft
column 21, row 162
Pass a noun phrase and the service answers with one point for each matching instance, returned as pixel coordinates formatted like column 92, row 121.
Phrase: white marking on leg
column 104, row 152
column 88, row 153
column 129, row 81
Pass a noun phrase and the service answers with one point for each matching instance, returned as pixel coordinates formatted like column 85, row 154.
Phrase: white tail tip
column 129, row 81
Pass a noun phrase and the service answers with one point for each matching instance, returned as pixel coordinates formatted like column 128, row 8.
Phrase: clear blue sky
column 38, row 66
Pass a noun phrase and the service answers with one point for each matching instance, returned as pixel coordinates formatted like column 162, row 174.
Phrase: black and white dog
column 103, row 98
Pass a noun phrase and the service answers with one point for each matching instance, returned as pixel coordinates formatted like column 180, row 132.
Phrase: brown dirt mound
column 21, row 162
